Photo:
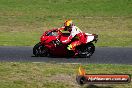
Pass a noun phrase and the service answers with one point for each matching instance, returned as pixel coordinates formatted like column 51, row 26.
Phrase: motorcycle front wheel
column 40, row 50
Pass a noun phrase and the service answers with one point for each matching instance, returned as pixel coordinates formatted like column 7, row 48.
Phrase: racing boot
column 71, row 48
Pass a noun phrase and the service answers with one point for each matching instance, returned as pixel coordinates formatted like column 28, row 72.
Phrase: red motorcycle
column 51, row 45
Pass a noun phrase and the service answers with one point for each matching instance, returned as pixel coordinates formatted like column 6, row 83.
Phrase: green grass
column 51, row 75
column 22, row 22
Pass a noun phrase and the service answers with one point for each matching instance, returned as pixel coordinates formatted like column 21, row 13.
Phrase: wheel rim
column 41, row 51
column 88, row 51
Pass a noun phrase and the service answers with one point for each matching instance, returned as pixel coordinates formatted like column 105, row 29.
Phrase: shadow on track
column 67, row 57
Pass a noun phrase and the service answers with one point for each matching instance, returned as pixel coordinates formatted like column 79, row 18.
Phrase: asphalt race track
column 104, row 55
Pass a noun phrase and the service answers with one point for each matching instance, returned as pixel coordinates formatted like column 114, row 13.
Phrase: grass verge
column 114, row 32
column 50, row 75
column 22, row 22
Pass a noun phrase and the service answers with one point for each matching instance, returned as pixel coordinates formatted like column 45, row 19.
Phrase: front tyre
column 40, row 50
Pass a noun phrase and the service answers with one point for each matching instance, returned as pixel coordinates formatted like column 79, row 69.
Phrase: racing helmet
column 68, row 23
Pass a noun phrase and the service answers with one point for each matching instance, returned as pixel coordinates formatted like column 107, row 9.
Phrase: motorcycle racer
column 69, row 40
column 74, row 33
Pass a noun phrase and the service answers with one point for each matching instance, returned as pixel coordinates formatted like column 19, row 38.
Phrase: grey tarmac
column 102, row 55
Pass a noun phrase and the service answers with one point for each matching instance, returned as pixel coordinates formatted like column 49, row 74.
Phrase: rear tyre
column 40, row 50
column 87, row 51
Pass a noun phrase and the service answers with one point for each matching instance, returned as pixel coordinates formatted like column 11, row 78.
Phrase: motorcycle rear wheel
column 87, row 51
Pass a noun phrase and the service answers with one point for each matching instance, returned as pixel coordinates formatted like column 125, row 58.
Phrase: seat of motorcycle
column 64, row 36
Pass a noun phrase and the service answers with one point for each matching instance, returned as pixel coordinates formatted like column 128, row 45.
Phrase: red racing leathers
column 75, row 32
